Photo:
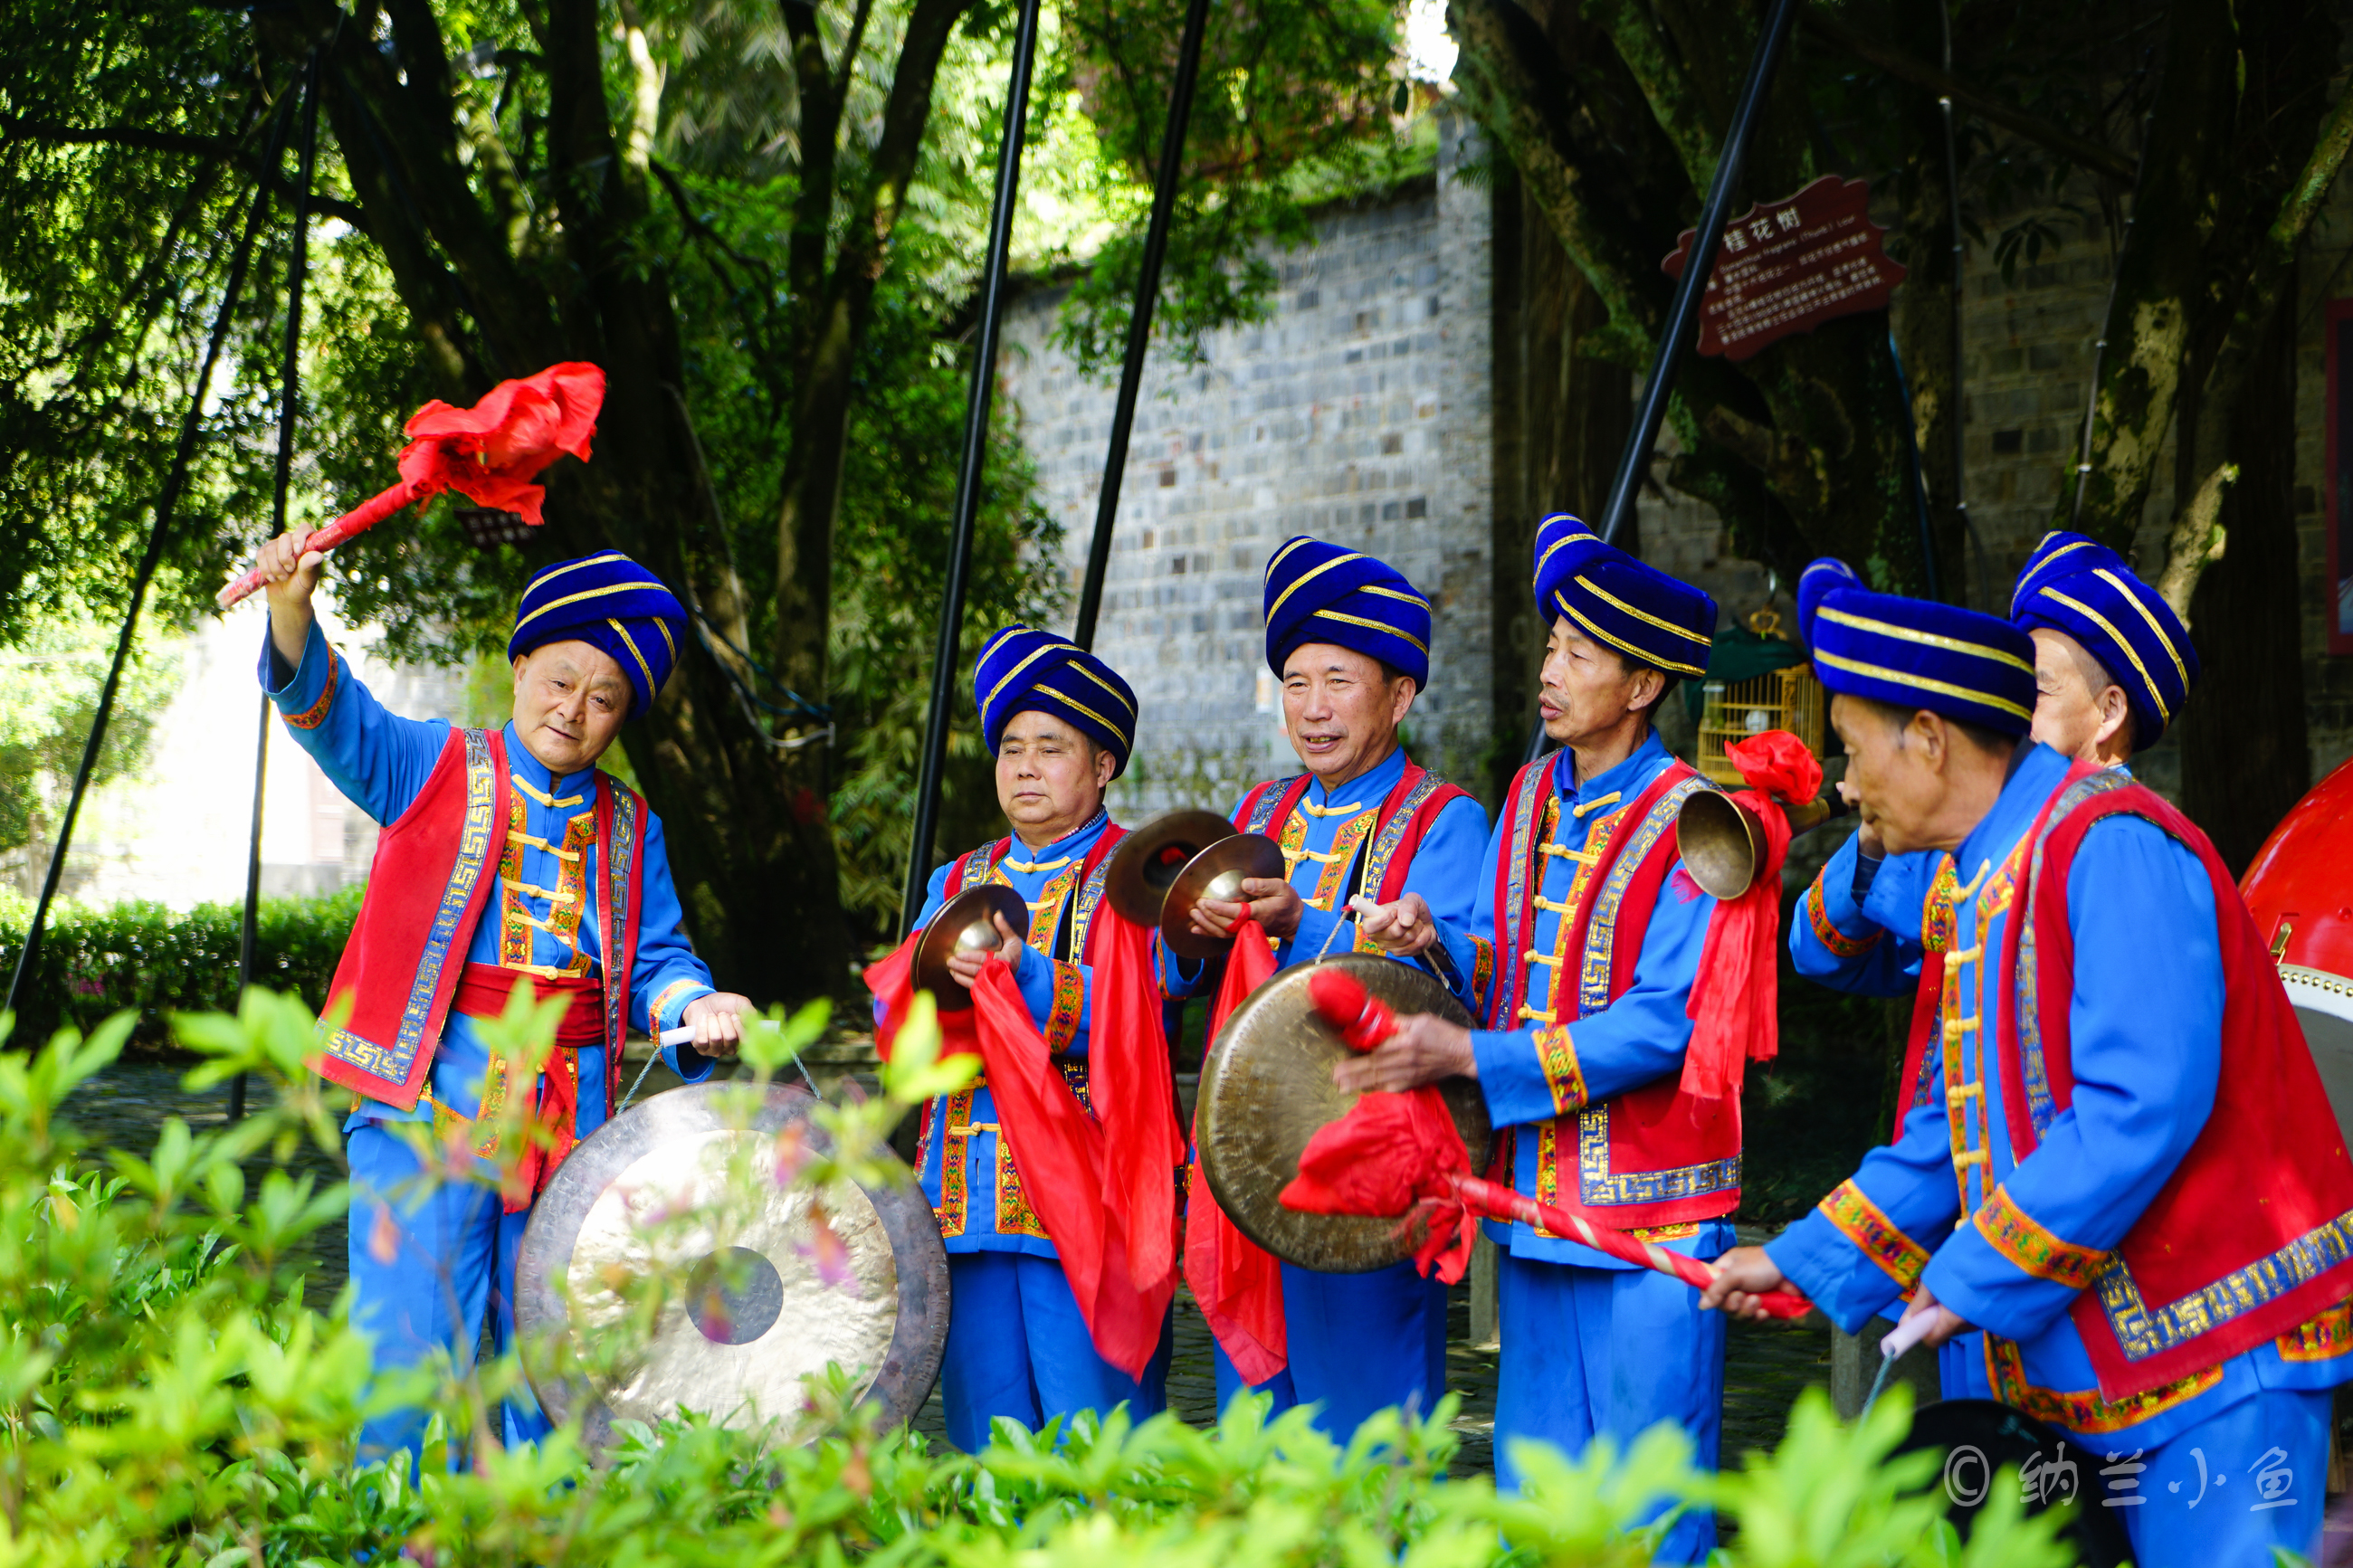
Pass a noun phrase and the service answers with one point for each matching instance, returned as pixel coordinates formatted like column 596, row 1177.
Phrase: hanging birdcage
column 1732, row 710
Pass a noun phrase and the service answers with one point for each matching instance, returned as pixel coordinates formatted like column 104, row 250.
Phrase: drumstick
column 1364, row 1022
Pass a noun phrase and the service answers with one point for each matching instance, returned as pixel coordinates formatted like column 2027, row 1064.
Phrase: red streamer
column 1237, row 1282
column 1735, row 1002
column 489, row 454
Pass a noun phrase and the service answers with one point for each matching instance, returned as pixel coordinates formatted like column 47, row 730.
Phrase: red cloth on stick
column 1238, row 1283
column 1400, row 1155
column 489, row 453
column 482, row 993
column 1733, row 1005
column 1107, row 1223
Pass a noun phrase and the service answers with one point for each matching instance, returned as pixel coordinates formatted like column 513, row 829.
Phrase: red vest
column 1406, row 816
column 1652, row 1155
column 2252, row 1236
column 425, row 893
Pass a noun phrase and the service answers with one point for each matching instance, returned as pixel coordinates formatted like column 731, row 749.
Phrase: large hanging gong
column 1267, row 1088
column 679, row 1194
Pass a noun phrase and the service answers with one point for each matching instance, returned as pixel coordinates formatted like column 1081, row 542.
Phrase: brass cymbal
column 1267, row 1089
column 1721, row 841
column 1146, row 863
column 1216, row 872
column 679, row 1191
column 961, row 924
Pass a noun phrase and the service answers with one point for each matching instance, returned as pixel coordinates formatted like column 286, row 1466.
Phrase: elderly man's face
column 2079, row 712
column 1341, row 710
column 1050, row 778
column 569, row 701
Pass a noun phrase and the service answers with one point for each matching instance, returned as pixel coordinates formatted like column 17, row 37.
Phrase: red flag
column 1735, row 1002
column 1237, row 1282
column 489, row 453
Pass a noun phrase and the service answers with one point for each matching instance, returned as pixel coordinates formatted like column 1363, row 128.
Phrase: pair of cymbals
column 966, row 924
column 1165, row 868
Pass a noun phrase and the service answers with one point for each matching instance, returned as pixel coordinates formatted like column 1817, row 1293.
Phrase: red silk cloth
column 1100, row 1184
column 489, row 453
column 1735, row 1000
column 482, row 993
column 1394, row 1155
column 1237, row 1282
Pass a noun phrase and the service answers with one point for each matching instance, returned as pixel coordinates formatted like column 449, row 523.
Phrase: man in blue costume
column 2113, row 665
column 578, row 875
column 1061, row 723
column 1582, row 948
column 2119, row 1164
column 1349, row 637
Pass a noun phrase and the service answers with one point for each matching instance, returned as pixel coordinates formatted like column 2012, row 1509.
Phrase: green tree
column 1613, row 115
column 762, row 221
column 49, row 685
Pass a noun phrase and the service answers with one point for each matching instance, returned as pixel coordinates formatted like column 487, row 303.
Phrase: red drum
column 2300, row 888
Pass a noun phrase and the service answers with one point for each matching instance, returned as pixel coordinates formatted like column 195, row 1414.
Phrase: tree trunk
column 2245, row 754
column 745, row 824
column 1561, row 421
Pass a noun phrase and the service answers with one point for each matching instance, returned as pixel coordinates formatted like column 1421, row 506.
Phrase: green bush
column 167, row 1396
column 95, row 963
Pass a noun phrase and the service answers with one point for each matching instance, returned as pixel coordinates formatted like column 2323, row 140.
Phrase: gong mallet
column 489, row 454
column 1362, row 1022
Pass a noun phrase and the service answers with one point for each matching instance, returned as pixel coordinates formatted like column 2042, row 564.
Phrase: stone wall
column 1363, row 412
column 1358, row 412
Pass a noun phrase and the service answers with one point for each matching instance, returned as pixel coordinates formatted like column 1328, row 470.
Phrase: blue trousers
column 1357, row 1343
column 2225, row 1490
column 451, row 1258
column 1019, row 1347
column 1590, row 1352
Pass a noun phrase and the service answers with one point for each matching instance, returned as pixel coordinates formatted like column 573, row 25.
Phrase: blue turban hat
column 1320, row 593
column 1639, row 610
column 1915, row 653
column 1023, row 669
column 2082, row 588
column 610, row 601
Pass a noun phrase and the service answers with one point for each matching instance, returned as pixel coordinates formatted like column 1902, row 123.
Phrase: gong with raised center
column 666, row 1268
column 1267, row 1089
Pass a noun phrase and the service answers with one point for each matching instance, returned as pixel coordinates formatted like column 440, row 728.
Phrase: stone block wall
column 1359, row 413
column 1363, row 412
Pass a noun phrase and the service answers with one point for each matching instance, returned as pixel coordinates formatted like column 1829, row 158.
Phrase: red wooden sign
column 1789, row 265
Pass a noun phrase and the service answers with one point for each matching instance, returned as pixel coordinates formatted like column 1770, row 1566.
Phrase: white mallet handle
column 684, row 1034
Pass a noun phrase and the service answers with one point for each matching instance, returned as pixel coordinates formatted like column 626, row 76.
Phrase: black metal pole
column 1919, row 474
column 167, row 500
column 1139, row 321
column 289, row 393
column 1682, row 316
column 969, row 477
column 1955, row 417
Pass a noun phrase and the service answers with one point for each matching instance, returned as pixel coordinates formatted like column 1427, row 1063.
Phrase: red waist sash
column 483, row 991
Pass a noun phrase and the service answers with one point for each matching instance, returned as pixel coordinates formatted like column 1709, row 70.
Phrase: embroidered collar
column 533, row 777
column 1368, row 788
column 1061, row 852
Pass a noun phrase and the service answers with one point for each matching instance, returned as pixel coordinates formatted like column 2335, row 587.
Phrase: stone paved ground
column 1766, row 1367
